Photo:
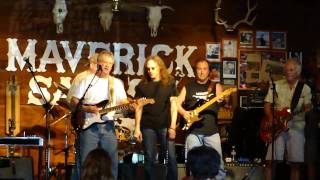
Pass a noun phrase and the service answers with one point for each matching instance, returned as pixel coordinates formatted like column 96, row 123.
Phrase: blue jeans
column 104, row 135
column 150, row 137
column 195, row 140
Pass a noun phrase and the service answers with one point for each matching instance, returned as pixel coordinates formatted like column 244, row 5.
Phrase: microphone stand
column 274, row 94
column 78, row 130
column 47, row 106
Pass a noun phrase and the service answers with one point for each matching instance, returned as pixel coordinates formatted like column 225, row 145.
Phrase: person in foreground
column 205, row 131
column 157, row 121
column 203, row 162
column 97, row 165
column 291, row 140
column 103, row 87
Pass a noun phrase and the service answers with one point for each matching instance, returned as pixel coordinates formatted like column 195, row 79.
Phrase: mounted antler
column 246, row 20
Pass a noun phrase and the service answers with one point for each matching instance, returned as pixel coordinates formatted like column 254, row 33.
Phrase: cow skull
column 154, row 18
column 59, row 14
column 230, row 27
column 105, row 16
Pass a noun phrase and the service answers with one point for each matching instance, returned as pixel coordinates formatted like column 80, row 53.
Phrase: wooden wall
column 191, row 24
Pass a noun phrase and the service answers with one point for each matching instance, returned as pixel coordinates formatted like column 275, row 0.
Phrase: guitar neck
column 115, row 108
column 206, row 105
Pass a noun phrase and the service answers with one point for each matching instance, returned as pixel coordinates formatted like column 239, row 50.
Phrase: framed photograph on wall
column 263, row 39
column 213, row 51
column 249, row 68
column 229, row 69
column 229, row 48
column 230, row 82
column 246, row 39
column 279, row 40
column 215, row 72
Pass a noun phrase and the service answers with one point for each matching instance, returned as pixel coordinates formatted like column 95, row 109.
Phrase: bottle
column 233, row 154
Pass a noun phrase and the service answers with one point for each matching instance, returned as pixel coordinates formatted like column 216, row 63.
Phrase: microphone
column 99, row 68
column 26, row 60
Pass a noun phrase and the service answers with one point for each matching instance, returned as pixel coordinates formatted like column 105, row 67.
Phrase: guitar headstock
column 229, row 91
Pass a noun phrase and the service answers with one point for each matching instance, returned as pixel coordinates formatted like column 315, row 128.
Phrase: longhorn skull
column 154, row 18
column 59, row 14
column 106, row 16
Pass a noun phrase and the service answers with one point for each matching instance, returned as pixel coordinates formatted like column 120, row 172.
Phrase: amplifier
column 251, row 98
column 21, row 141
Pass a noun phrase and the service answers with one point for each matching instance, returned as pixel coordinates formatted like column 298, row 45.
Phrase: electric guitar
column 281, row 118
column 195, row 113
column 85, row 123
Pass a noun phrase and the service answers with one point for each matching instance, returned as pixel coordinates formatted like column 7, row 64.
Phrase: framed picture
column 246, row 39
column 228, row 82
column 229, row 69
column 262, row 39
column 229, row 48
column 213, row 52
column 215, row 72
column 279, row 40
column 249, row 68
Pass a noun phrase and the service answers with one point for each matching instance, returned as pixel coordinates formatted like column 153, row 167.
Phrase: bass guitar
column 85, row 123
column 195, row 113
column 282, row 117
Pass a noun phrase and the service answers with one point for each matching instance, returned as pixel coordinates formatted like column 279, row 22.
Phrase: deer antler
column 246, row 20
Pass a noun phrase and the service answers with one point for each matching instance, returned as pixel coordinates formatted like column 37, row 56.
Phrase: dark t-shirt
column 196, row 92
column 156, row 115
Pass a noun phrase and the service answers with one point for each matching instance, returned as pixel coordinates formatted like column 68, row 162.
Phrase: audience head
column 97, row 165
column 203, row 162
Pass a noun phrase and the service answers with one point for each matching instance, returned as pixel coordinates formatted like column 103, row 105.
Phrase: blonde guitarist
column 103, row 87
column 292, row 140
column 205, row 131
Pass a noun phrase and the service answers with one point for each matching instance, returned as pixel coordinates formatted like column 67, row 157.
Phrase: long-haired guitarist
column 204, row 131
column 102, row 87
column 292, row 139
column 157, row 122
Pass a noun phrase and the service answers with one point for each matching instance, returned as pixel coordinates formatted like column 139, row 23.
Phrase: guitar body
column 281, row 124
column 81, row 122
column 78, row 116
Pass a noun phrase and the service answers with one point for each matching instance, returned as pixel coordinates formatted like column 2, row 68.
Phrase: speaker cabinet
column 247, row 173
column 16, row 168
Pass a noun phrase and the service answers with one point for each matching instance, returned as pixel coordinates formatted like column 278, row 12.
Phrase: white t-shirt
column 99, row 91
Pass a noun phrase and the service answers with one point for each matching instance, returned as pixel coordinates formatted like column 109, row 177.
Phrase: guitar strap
column 296, row 96
column 111, row 89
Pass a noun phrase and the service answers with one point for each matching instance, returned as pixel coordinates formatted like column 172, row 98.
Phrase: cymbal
column 61, row 87
column 64, row 103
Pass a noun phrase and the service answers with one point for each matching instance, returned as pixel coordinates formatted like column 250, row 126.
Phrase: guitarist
column 292, row 140
column 103, row 87
column 205, row 131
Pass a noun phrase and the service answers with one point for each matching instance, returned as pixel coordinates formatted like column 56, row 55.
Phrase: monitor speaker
column 16, row 168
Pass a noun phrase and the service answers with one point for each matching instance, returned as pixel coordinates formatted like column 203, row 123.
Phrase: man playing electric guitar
column 205, row 131
column 102, row 87
column 297, row 96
